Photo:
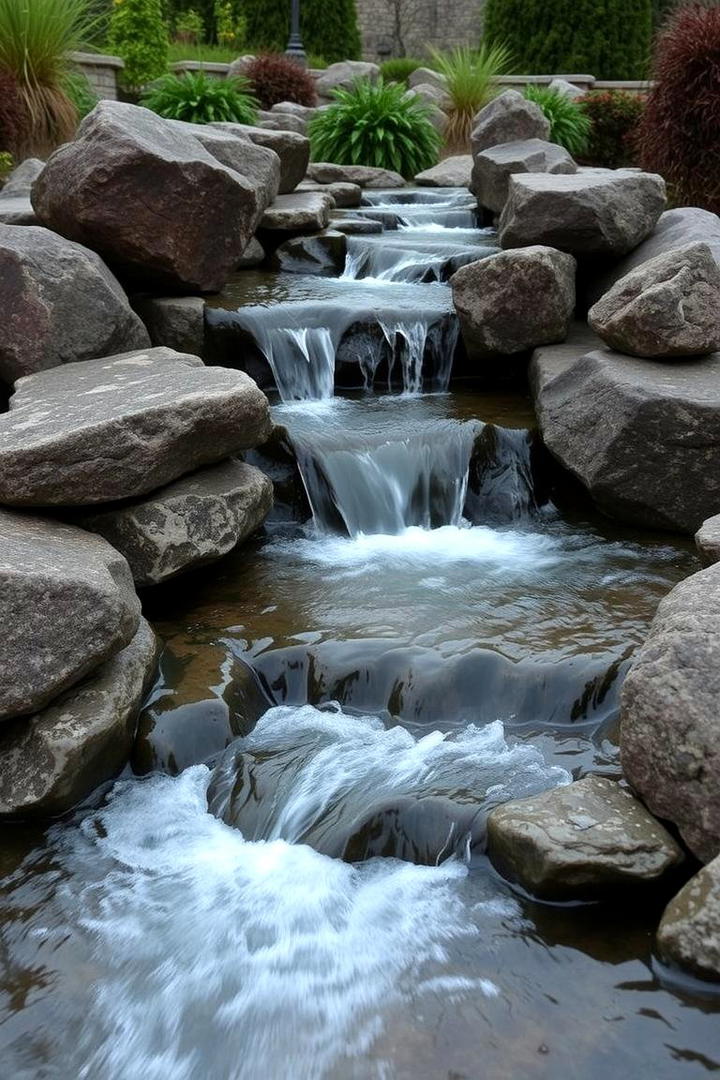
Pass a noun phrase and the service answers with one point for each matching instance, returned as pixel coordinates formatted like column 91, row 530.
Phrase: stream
column 289, row 880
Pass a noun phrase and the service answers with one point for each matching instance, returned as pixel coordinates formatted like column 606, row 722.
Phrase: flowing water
column 289, row 880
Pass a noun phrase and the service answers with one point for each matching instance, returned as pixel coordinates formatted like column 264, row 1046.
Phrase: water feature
column 437, row 625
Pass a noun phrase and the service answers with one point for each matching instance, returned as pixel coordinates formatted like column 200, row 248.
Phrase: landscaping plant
column 13, row 113
column 679, row 132
column 138, row 34
column 569, row 123
column 197, row 98
column 614, row 116
column 274, row 78
column 469, row 74
column 375, row 124
column 80, row 93
column 400, row 68
column 328, row 29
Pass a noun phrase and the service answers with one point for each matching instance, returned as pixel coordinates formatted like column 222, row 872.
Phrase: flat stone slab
column 344, row 195
column 193, row 521
column 580, row 841
column 450, row 172
column 52, row 760
column 707, row 540
column 303, row 210
column 68, row 604
column 367, row 176
column 122, row 426
column 689, row 931
column 355, row 226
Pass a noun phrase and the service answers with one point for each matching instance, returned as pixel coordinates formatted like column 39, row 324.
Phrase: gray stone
column 424, row 76
column 292, row 149
column 707, row 540
column 271, row 121
column 670, row 724
column 321, row 253
column 343, row 75
column 689, row 931
column 22, row 178
column 193, row 521
column 669, row 306
column 17, row 210
column 642, row 435
column 128, row 185
column 60, row 304
column 580, row 842
column 567, row 89
column 122, row 426
column 509, row 117
column 600, row 213
column 307, row 211
column 431, row 94
column 345, row 196
column 515, row 300
column 240, row 67
column 175, row 322
column 450, row 172
column 291, row 108
column 354, row 226
column 252, row 256
column 493, row 168
column 68, row 604
column 367, row 176
column 51, row 761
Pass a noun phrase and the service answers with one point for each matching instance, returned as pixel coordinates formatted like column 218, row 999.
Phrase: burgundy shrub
column 13, row 114
column 274, row 78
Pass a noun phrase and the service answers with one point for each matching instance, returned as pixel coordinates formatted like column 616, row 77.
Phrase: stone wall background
column 409, row 27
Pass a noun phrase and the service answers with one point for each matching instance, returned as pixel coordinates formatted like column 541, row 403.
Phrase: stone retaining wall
column 100, row 71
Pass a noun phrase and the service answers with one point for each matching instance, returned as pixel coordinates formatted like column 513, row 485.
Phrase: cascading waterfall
column 415, row 255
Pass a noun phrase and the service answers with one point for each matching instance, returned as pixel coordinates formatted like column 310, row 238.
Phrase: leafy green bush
column 230, row 25
column 6, row 164
column 275, row 78
column 614, row 117
column 469, row 74
column 80, row 93
column 138, row 35
column 375, row 124
column 400, row 68
column 199, row 99
column 329, row 28
column 569, row 123
column 610, row 40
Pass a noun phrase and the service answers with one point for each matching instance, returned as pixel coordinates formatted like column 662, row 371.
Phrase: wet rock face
column 494, row 166
column 509, row 117
column 292, row 149
column 670, row 725
column 55, row 758
column 689, row 932
column 127, row 187
column 669, row 306
column 122, row 426
column 596, row 212
column 515, row 300
column 707, row 541
column 61, row 304
column 580, row 842
column 68, row 604
column 323, row 253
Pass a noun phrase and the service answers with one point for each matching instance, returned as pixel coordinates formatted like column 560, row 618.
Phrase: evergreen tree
column 328, row 29
column 138, row 34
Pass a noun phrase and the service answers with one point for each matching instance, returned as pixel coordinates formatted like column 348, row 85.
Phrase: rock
column 60, row 304
column 54, row 759
column 343, row 75
column 450, row 172
column 292, row 149
column 431, row 94
column 128, row 185
column 306, row 211
column 321, row 253
column 567, row 89
column 240, row 67
column 492, row 168
column 252, row 256
column 601, row 213
column 122, row 426
column 326, row 172
column 509, row 117
column 515, row 300
column 707, row 540
column 17, row 210
column 670, row 725
column 281, row 122
column 669, row 306
column 689, row 931
column 15, row 205
column 580, row 842
column 641, row 435
column 291, row 108
column 343, row 195
column 354, row 226
column 175, row 322
column 193, row 521
column 424, row 76
column 68, row 604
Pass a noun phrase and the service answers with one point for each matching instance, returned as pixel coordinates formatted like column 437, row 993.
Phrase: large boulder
column 367, row 176
column 68, row 604
column 669, row 306
column 60, row 304
column 122, row 426
column 598, row 212
column 689, row 931
column 493, row 168
column 303, row 211
column 52, row 760
column 707, row 541
column 509, row 117
column 515, row 300
column 193, row 521
column 642, row 435
column 580, row 842
column 670, row 724
column 450, row 172
column 292, row 148
column 149, row 198
column 343, row 75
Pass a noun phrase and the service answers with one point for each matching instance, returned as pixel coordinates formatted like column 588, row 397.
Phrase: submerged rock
column 450, row 172
column 580, row 842
column 68, row 604
column 707, row 540
column 509, row 117
column 321, row 253
column 303, row 211
column 689, row 932
column 670, row 723
column 54, row 759
column 122, row 426
column 494, row 166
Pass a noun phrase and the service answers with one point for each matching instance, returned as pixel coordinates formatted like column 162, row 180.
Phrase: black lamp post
column 295, row 46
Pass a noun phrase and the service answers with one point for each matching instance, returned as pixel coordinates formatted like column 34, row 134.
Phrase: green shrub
column 230, row 25
column 610, row 40
column 189, row 26
column 375, row 124
column 614, row 116
column 138, row 35
column 80, row 93
column 277, row 78
column 469, row 74
column 569, row 123
column 400, row 68
column 197, row 98
column 329, row 28
column 6, row 164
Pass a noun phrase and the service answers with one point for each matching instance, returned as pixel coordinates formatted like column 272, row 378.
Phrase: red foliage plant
column 13, row 113
column 274, row 78
column 679, row 133
column 614, row 116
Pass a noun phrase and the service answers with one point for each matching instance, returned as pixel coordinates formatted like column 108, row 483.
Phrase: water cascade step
column 421, row 254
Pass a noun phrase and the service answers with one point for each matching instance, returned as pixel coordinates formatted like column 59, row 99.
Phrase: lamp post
column 295, row 46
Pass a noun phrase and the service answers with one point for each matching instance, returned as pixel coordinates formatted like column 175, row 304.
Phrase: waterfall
column 415, row 255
